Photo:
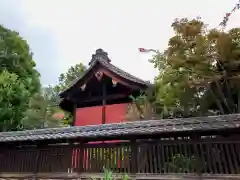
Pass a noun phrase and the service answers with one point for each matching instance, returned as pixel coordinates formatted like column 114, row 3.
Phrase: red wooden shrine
column 101, row 94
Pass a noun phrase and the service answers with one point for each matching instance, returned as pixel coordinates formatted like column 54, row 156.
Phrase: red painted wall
column 115, row 113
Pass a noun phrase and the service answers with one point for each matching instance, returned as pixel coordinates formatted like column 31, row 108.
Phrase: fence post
column 36, row 169
column 196, row 141
column 134, row 157
column 81, row 159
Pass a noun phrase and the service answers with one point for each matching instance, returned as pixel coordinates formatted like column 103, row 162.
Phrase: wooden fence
column 165, row 156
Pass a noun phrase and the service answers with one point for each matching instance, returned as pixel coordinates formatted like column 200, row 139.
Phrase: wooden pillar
column 37, row 160
column 81, row 162
column 74, row 114
column 134, row 157
column 104, row 101
column 199, row 163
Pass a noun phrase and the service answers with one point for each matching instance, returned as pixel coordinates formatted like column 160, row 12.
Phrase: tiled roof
column 128, row 128
column 105, row 62
column 123, row 74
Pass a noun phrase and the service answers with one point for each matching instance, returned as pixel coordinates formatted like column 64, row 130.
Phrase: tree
column 65, row 80
column 199, row 71
column 42, row 108
column 16, row 57
column 13, row 97
column 141, row 108
column 18, row 76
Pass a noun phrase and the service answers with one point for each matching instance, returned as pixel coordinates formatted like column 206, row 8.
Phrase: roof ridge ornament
column 100, row 55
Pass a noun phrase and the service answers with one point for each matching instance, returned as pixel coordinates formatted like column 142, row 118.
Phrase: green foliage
column 125, row 177
column 13, row 100
column 181, row 164
column 66, row 79
column 199, row 71
column 108, row 175
column 42, row 108
column 16, row 57
column 44, row 105
column 18, row 79
column 141, row 108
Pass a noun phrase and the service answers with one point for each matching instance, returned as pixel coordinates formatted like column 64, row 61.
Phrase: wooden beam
column 108, row 97
column 104, row 101
column 74, row 114
column 115, row 78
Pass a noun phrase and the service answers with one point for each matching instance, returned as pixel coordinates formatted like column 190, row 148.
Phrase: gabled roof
column 127, row 129
column 101, row 58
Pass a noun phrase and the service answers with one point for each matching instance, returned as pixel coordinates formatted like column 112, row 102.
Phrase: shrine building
column 102, row 94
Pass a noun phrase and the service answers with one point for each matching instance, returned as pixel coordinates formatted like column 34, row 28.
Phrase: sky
column 62, row 33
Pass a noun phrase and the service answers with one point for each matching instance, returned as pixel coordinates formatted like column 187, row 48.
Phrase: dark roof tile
column 128, row 128
column 105, row 62
column 123, row 74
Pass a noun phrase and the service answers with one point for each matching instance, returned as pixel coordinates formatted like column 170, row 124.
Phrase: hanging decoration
column 114, row 83
column 99, row 75
column 225, row 20
column 83, row 87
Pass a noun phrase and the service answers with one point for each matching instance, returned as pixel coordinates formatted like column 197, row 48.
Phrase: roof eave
column 202, row 125
column 142, row 84
column 64, row 93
